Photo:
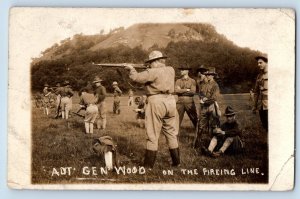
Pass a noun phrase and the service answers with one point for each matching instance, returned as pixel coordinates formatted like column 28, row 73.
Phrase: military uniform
column 261, row 90
column 226, row 137
column 58, row 99
column 261, row 98
column 100, row 93
column 209, row 112
column 46, row 99
column 160, row 113
column 130, row 98
column 117, row 101
column 185, row 89
column 66, row 93
column 88, row 100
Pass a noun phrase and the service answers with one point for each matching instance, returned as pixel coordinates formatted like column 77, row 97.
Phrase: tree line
column 236, row 66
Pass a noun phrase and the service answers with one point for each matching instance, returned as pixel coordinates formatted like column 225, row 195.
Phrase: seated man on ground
column 228, row 135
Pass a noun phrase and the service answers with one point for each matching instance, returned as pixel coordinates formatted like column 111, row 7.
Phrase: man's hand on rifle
column 128, row 66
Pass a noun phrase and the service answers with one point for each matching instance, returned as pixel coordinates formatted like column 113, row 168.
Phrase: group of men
column 199, row 98
column 164, row 113
column 92, row 100
column 63, row 99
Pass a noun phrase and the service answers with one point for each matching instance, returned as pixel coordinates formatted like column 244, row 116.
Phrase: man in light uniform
column 161, row 108
column 185, row 88
column 88, row 100
column 46, row 99
column 100, row 94
column 130, row 98
column 66, row 93
column 261, row 90
column 117, row 101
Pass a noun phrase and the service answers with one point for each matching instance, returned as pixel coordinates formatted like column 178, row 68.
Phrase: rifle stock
column 121, row 65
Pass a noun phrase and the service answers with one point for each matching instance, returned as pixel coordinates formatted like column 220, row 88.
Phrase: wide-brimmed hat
column 46, row 85
column 263, row 57
column 66, row 83
column 97, row 79
column 202, row 69
column 211, row 71
column 155, row 55
column 184, row 68
column 229, row 111
column 115, row 83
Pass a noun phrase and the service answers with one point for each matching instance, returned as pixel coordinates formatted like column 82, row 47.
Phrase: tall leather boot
column 150, row 157
column 175, row 157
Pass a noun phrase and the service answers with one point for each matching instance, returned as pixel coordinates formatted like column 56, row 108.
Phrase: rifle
column 77, row 112
column 121, row 65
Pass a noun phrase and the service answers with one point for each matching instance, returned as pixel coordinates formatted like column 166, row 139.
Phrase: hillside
column 184, row 43
column 148, row 35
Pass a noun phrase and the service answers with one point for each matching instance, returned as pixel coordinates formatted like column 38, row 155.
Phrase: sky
column 42, row 27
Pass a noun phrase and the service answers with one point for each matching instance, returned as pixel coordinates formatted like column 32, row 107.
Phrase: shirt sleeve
column 142, row 77
column 215, row 92
column 101, row 97
column 193, row 87
column 119, row 91
column 178, row 88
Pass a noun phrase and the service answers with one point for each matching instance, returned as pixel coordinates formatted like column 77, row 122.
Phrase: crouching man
column 228, row 135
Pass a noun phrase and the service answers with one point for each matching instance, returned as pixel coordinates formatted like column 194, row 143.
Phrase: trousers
column 161, row 116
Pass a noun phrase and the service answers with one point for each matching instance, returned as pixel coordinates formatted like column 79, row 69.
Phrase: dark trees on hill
column 72, row 61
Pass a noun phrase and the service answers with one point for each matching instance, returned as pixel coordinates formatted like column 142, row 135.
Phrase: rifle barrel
column 121, row 65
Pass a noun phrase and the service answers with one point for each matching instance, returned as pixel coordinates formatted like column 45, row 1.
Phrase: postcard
column 151, row 98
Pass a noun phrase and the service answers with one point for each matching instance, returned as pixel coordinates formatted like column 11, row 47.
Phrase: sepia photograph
column 159, row 99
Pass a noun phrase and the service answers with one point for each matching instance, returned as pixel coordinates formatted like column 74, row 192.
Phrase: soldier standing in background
column 200, row 82
column 261, row 90
column 117, row 94
column 88, row 100
column 140, row 110
column 58, row 98
column 66, row 93
column 161, row 113
column 210, row 112
column 185, row 88
column 46, row 99
column 100, row 94
column 130, row 95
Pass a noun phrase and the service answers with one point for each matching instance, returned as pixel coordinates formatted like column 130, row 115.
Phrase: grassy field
column 61, row 151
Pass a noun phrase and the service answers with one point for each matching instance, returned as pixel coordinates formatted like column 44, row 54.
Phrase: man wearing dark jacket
column 228, row 135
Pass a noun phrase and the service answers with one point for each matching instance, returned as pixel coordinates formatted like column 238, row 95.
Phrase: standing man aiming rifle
column 161, row 108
